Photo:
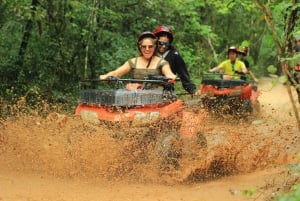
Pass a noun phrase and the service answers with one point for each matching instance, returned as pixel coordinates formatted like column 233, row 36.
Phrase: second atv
column 223, row 94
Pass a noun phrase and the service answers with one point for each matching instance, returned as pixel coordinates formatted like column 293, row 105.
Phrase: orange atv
column 221, row 93
column 130, row 100
column 147, row 110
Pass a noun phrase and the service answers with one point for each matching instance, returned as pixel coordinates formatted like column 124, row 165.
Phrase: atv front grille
column 122, row 97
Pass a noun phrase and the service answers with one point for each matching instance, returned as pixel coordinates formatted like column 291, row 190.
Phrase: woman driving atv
column 232, row 66
column 147, row 63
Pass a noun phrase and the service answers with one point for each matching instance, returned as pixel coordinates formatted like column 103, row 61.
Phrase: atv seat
column 221, row 83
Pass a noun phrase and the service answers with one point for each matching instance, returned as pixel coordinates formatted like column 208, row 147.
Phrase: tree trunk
column 290, row 24
column 26, row 37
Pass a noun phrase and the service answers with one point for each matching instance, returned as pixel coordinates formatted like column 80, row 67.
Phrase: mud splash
column 65, row 146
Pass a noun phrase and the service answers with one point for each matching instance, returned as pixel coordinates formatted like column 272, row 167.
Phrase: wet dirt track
column 64, row 158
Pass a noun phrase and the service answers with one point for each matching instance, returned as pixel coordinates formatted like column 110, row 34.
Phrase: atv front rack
column 123, row 97
column 119, row 82
column 119, row 96
column 217, row 80
column 221, row 83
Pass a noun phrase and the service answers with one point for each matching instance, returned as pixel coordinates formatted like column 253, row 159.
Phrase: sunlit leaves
column 283, row 79
column 226, row 6
column 272, row 69
column 245, row 43
column 291, row 60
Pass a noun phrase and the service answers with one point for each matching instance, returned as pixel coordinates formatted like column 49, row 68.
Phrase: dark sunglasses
column 161, row 43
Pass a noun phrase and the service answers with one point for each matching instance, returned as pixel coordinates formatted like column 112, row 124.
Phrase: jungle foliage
column 50, row 46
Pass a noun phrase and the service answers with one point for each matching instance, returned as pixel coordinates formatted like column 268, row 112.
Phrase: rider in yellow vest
column 232, row 66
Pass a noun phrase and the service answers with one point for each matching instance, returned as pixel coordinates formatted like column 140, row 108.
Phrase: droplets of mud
column 66, row 146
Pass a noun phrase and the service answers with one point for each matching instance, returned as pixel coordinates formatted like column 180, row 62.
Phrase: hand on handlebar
column 103, row 77
column 239, row 73
column 106, row 77
column 171, row 81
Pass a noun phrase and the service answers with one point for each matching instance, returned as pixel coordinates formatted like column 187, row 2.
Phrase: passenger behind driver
column 232, row 66
column 242, row 56
column 167, row 51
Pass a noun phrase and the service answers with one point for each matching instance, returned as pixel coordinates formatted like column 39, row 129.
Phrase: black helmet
column 164, row 30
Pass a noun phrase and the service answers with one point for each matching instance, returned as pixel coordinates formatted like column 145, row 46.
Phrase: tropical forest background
column 49, row 46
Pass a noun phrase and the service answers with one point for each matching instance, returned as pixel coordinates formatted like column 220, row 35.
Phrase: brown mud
column 64, row 158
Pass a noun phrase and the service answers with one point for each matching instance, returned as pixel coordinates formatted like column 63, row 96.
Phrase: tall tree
column 26, row 36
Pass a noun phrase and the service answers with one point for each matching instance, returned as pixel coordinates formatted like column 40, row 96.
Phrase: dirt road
column 63, row 158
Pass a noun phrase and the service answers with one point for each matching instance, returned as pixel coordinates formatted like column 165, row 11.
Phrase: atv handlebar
column 239, row 73
column 167, row 83
column 151, row 79
column 226, row 76
column 220, row 73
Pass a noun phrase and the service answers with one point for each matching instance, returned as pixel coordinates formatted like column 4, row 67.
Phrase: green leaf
column 283, row 79
column 272, row 69
column 249, row 192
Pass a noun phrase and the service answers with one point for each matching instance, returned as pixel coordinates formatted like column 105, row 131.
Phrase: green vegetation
column 285, row 187
column 293, row 195
column 52, row 45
